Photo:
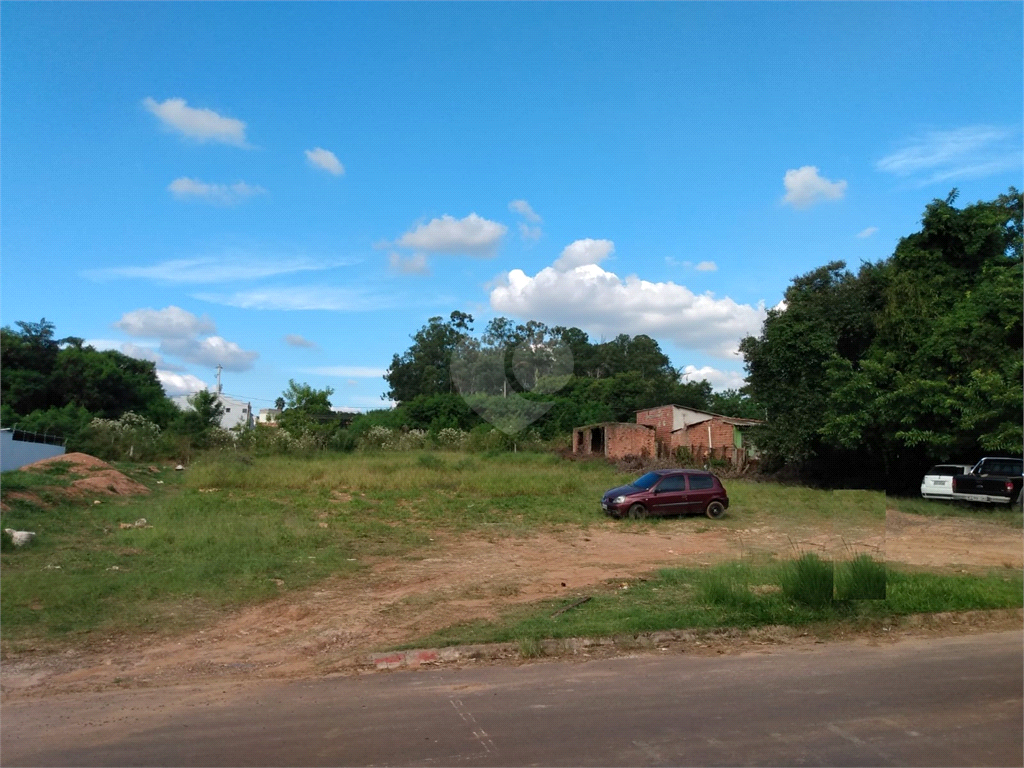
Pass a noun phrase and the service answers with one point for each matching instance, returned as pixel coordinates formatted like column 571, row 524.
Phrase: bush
column 130, row 437
column 809, row 580
column 451, row 438
column 379, row 438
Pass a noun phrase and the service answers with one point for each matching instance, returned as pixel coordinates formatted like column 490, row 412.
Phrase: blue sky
column 291, row 190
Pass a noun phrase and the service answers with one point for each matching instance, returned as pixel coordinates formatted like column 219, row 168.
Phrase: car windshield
column 645, row 482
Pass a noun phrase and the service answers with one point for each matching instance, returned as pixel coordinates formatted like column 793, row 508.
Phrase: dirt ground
column 96, row 478
column 333, row 627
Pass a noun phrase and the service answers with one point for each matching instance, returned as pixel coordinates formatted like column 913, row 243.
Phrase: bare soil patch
column 335, row 625
column 95, row 478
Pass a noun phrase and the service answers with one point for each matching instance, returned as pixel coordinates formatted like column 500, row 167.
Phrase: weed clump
column 861, row 579
column 809, row 580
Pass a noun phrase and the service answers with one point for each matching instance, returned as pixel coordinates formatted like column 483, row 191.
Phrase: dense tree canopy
column 913, row 360
column 59, row 385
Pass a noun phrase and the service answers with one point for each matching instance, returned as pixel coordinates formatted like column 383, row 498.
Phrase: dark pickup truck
column 992, row 481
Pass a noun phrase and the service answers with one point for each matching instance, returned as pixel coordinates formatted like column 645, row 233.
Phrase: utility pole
column 218, row 378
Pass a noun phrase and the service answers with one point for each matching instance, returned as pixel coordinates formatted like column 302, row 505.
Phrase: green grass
column 232, row 531
column 737, row 594
column 55, row 474
column 996, row 513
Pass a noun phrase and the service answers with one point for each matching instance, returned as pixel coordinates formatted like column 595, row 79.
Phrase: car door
column 669, row 496
column 700, row 492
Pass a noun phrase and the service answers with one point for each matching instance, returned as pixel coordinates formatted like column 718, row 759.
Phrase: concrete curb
column 700, row 641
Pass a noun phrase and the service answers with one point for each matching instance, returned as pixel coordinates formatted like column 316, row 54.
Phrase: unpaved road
column 946, row 701
column 336, row 625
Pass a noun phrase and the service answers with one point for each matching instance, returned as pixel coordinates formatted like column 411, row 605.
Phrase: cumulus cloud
column 198, row 124
column 719, row 380
column 295, row 340
column 583, row 252
column 210, row 352
column 167, row 323
column 348, row 371
column 297, row 298
column 867, row 232
column 969, row 152
column 185, row 188
column 209, row 269
column 471, row 236
column 603, row 304
column 325, row 160
column 409, row 265
column 175, row 384
column 804, row 187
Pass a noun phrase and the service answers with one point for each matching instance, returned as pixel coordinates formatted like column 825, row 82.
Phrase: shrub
column 129, row 437
column 809, row 580
column 377, row 437
column 411, row 440
column 450, row 437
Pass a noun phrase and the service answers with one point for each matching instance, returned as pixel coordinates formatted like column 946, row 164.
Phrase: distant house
column 237, row 413
column 702, row 433
column 268, row 417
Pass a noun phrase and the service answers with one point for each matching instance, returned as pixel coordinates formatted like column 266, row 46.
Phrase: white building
column 268, row 416
column 236, row 412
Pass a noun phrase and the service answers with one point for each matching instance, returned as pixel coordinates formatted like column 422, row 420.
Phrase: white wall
column 15, row 454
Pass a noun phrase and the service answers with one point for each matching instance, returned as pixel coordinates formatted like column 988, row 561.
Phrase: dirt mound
column 96, row 478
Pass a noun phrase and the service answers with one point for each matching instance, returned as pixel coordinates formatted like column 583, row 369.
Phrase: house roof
column 615, row 424
column 727, row 419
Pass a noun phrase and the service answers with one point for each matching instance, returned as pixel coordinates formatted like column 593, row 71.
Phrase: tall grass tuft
column 727, row 586
column 861, row 579
column 809, row 580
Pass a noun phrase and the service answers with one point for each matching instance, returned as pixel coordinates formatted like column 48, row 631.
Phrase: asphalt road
column 949, row 701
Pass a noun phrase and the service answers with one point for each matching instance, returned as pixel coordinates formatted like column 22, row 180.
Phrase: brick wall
column 661, row 419
column 696, row 438
column 619, row 440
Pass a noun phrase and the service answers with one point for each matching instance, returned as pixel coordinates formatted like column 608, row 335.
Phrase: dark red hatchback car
column 668, row 492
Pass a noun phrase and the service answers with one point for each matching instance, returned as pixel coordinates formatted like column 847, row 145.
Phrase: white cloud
column 348, row 371
column 970, row 152
column 523, row 209
column 210, row 269
column 168, row 323
column 411, row 265
column 719, row 380
column 471, row 236
column 297, row 298
column 210, row 352
column 867, row 232
column 199, row 124
column 583, row 252
column 185, row 188
column 706, row 266
column 603, row 304
column 295, row 340
column 326, row 160
column 175, row 384
column 804, row 187
column 529, row 233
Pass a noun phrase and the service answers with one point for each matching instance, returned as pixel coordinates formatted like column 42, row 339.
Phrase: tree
column 307, row 410
column 914, row 360
column 424, row 369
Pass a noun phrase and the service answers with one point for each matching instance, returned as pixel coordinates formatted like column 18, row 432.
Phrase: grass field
column 231, row 531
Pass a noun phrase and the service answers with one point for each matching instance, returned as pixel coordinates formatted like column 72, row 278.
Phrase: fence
column 19, row 447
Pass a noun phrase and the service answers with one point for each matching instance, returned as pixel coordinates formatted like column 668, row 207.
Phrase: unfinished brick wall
column 696, row 438
column 616, row 440
column 661, row 419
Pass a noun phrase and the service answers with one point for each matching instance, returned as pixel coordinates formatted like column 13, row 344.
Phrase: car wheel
column 637, row 512
column 715, row 510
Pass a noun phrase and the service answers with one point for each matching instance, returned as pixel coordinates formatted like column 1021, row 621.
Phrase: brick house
column 613, row 440
column 702, row 433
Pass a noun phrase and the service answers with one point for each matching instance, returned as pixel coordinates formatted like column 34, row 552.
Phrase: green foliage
column 862, row 578
column 58, row 385
column 912, row 361
column 131, row 437
column 809, row 580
